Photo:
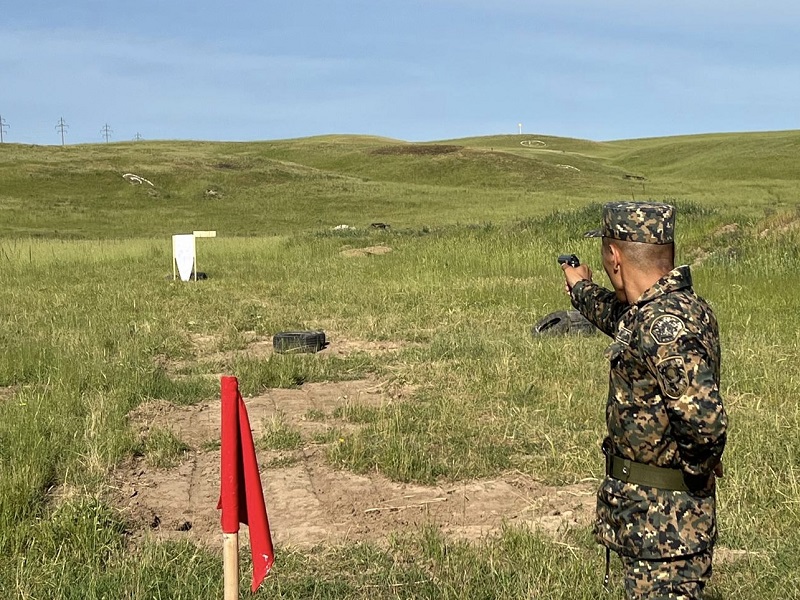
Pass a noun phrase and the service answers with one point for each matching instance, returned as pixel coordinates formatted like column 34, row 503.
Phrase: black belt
column 630, row 471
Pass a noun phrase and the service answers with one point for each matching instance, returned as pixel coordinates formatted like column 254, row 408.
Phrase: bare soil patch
column 309, row 502
column 337, row 345
column 6, row 393
column 369, row 251
column 698, row 256
column 781, row 226
column 726, row 230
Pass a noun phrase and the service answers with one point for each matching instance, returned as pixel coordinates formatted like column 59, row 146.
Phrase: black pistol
column 569, row 259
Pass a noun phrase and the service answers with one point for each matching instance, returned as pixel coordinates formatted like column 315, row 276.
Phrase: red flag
column 241, row 496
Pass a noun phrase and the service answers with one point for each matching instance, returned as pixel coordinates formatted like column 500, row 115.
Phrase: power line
column 3, row 127
column 106, row 131
column 62, row 127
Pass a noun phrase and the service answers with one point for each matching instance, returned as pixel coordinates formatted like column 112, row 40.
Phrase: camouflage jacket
column 664, row 409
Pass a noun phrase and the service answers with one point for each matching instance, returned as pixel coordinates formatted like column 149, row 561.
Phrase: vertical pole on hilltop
column 3, row 127
column 106, row 131
column 62, row 127
column 230, row 565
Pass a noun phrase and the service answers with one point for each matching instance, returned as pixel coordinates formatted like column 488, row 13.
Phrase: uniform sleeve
column 688, row 377
column 598, row 304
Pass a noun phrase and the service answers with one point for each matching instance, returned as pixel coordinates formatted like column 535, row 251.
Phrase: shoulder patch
column 672, row 377
column 666, row 329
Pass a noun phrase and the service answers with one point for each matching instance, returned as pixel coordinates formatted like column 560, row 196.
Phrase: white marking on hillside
column 137, row 179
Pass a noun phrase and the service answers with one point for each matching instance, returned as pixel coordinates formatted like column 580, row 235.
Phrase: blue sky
column 416, row 70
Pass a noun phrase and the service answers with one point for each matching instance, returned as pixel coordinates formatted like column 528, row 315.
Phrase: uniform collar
column 677, row 279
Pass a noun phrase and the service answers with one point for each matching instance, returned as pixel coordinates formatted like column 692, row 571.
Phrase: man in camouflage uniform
column 666, row 422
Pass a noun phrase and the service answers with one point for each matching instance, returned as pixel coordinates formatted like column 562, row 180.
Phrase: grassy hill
column 97, row 343
column 278, row 187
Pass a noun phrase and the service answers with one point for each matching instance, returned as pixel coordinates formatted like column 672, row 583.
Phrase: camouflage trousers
column 681, row 578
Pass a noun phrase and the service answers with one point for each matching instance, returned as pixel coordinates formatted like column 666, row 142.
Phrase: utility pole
column 62, row 127
column 106, row 131
column 137, row 137
column 3, row 127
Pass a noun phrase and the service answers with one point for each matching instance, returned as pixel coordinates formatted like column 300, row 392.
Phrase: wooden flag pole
column 239, row 476
column 230, row 565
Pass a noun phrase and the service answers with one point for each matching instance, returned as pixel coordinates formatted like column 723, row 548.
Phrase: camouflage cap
column 647, row 222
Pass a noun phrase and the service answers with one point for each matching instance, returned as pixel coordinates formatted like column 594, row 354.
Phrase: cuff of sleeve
column 578, row 287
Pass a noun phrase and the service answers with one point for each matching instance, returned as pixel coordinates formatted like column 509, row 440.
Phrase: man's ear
column 616, row 256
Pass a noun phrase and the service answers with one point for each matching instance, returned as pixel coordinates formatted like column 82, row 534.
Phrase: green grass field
column 476, row 225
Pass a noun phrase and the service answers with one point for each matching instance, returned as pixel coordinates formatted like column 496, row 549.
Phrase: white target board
column 184, row 256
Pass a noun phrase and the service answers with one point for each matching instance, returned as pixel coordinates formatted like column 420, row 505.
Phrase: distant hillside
column 285, row 186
